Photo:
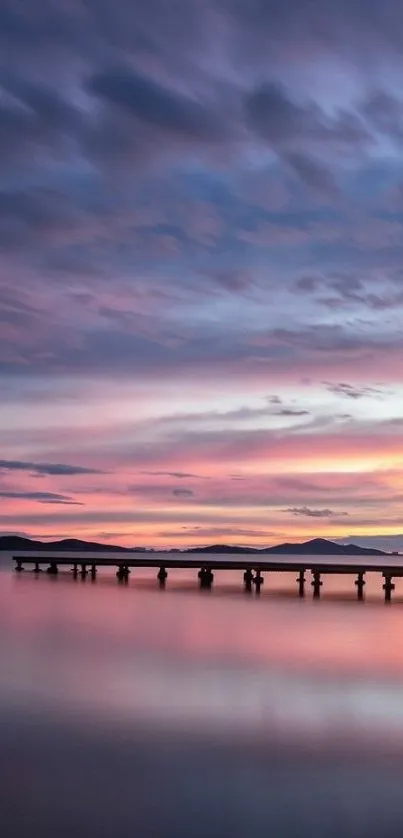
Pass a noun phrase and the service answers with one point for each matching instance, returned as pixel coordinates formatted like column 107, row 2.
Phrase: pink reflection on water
column 221, row 662
column 337, row 635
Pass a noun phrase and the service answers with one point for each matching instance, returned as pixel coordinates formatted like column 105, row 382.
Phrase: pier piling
column 206, row 577
column 162, row 577
column 316, row 583
column 123, row 573
column 301, row 583
column 248, row 580
column 388, row 586
column 360, row 584
column 258, row 581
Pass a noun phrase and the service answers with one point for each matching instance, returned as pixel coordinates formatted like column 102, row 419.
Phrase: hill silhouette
column 17, row 543
column 323, row 547
column 316, row 546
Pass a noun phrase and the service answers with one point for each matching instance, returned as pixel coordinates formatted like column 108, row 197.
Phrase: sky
column 201, row 270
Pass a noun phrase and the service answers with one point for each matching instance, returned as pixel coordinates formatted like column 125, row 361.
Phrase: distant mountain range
column 316, row 546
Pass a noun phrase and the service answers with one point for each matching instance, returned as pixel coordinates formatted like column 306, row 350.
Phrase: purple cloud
column 60, row 469
column 41, row 497
column 305, row 512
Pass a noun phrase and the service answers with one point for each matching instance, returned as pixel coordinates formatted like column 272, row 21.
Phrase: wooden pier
column 253, row 567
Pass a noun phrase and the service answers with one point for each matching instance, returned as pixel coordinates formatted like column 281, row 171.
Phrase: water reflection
column 129, row 709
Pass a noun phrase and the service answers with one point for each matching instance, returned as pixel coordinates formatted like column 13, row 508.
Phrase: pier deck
column 253, row 566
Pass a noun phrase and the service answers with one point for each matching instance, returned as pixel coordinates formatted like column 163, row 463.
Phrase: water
column 133, row 711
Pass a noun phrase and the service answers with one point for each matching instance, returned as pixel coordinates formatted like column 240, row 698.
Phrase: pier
column 254, row 569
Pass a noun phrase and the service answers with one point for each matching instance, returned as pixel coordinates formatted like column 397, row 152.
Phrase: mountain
column 314, row 547
column 323, row 547
column 16, row 543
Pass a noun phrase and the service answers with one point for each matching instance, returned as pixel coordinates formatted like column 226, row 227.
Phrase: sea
column 127, row 711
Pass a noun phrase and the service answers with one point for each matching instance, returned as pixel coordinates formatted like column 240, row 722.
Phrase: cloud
column 304, row 511
column 155, row 105
column 289, row 126
column 238, row 416
column 384, row 112
column 57, row 469
column 81, row 519
column 351, row 391
column 288, row 411
column 201, row 532
column 35, row 216
column 182, row 234
column 41, row 497
column 34, row 118
column 348, row 291
column 181, row 475
column 312, row 172
column 306, row 284
column 62, row 502
column 183, row 493
column 234, row 280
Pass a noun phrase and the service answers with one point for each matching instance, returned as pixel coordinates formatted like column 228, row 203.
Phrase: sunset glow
column 201, row 298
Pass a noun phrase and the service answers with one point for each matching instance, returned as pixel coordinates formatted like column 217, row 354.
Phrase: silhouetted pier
column 253, row 567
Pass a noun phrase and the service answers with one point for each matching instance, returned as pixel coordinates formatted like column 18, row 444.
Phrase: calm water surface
column 130, row 711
